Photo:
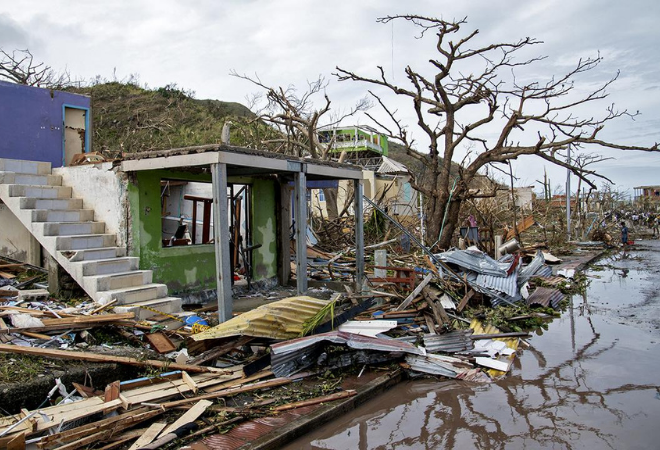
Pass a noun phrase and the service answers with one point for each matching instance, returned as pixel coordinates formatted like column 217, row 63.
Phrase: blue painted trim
column 87, row 130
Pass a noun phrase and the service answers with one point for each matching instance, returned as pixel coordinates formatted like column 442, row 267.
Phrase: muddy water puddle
column 591, row 381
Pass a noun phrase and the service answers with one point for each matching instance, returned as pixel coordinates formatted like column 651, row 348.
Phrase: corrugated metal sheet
column 454, row 342
column 475, row 261
column 282, row 319
column 530, row 269
column 546, row 297
column 506, row 285
column 446, row 366
column 390, row 166
column 512, row 343
column 368, row 327
column 292, row 356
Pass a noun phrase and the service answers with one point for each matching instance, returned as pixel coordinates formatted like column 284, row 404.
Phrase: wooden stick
column 317, row 400
column 415, row 293
column 93, row 357
column 232, row 391
column 102, row 307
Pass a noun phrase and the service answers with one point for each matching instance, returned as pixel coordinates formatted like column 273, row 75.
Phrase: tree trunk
column 331, row 203
column 436, row 213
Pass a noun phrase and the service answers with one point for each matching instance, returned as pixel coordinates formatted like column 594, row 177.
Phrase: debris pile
column 424, row 315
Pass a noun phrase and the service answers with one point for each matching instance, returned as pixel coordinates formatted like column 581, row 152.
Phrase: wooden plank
column 189, row 417
column 6, row 275
column 465, row 300
column 17, row 442
column 415, row 293
column 220, row 350
column 160, row 342
column 115, row 423
column 149, row 435
column 89, row 319
column 93, row 357
column 439, row 312
column 84, row 391
column 190, row 382
column 232, row 391
column 429, row 323
column 317, row 400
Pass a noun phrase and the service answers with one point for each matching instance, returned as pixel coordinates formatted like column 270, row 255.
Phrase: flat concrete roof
column 240, row 162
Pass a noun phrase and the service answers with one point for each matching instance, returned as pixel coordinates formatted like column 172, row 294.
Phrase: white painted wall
column 16, row 241
column 102, row 189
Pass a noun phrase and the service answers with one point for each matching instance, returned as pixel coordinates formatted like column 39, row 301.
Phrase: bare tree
column 19, row 67
column 297, row 119
column 442, row 102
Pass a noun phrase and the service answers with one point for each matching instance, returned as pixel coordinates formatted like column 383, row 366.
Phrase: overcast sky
column 196, row 44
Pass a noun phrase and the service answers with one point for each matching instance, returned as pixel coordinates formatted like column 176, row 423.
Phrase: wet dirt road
column 591, row 381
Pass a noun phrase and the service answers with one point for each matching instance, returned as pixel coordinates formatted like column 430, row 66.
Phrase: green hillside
column 129, row 118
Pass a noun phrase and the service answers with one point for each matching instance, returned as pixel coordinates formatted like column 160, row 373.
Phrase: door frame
column 87, row 130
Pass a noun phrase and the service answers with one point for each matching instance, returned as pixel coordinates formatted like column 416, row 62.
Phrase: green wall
column 190, row 269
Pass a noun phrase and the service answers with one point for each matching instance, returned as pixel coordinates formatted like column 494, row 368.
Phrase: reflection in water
column 587, row 383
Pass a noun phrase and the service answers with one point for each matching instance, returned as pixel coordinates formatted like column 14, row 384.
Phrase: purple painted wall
column 31, row 122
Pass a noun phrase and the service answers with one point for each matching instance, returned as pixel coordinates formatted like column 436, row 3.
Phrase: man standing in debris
column 624, row 234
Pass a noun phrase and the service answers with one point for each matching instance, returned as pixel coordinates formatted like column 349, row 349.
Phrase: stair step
column 48, row 203
column 21, row 166
column 71, row 228
column 108, row 266
column 167, row 305
column 122, row 280
column 93, row 254
column 21, row 190
column 30, row 179
column 62, row 215
column 85, row 241
column 134, row 294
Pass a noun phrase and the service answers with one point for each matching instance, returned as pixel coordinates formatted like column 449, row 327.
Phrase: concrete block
column 85, row 242
column 72, row 228
column 92, row 254
column 106, row 266
column 20, row 190
column 20, row 166
column 62, row 215
column 122, row 280
column 29, row 179
column 45, row 203
column 134, row 294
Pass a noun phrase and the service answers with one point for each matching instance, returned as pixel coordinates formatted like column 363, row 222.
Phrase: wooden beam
column 147, row 438
column 232, row 391
column 359, row 233
column 465, row 300
column 221, row 238
column 93, row 357
column 317, row 400
column 415, row 293
column 190, row 416
column 300, row 213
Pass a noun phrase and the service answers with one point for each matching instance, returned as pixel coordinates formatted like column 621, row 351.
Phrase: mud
column 589, row 381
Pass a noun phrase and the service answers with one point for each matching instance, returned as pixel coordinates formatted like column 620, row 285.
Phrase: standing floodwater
column 592, row 381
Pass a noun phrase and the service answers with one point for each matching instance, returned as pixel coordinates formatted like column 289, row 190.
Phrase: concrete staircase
column 78, row 243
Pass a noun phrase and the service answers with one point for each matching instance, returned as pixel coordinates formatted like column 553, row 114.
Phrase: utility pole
column 568, row 195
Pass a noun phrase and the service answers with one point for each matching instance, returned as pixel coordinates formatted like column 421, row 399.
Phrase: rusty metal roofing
column 546, row 297
column 282, row 319
column 454, row 342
